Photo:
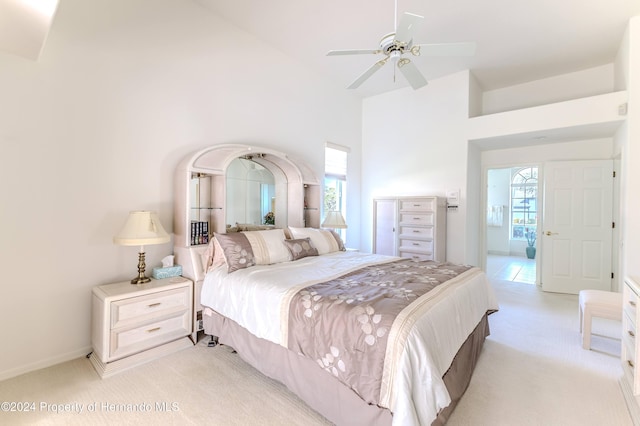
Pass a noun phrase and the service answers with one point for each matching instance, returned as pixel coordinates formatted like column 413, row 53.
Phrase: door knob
column 548, row 233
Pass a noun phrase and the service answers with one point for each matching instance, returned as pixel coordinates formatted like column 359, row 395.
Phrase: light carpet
column 533, row 371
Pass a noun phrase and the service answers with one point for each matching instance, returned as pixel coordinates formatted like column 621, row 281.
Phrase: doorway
column 512, row 223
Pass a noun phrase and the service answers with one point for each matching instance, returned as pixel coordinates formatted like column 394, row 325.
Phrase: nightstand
column 133, row 324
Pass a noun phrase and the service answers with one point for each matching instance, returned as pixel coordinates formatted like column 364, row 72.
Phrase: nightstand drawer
column 138, row 309
column 128, row 341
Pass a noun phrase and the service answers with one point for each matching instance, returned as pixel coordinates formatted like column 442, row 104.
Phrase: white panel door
column 384, row 226
column 577, row 226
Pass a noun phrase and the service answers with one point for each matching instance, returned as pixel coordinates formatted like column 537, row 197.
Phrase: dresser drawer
column 416, row 256
column 418, row 205
column 417, row 246
column 154, row 305
column 416, row 219
column 127, row 341
column 629, row 336
column 628, row 364
column 630, row 302
column 410, row 232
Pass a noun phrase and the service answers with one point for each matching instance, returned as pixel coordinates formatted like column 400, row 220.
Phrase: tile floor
column 511, row 268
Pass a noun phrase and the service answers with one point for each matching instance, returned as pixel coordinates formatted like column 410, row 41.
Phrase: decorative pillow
column 300, row 248
column 207, row 256
column 213, row 256
column 267, row 246
column 237, row 251
column 341, row 246
column 322, row 239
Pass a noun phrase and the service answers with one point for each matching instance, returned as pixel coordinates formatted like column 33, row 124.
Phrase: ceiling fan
column 396, row 44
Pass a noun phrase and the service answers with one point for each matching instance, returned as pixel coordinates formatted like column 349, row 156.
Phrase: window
column 335, row 181
column 524, row 202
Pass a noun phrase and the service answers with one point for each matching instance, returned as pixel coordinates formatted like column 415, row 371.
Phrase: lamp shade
column 142, row 228
column 334, row 220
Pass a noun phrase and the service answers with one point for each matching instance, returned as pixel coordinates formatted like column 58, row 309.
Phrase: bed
column 361, row 338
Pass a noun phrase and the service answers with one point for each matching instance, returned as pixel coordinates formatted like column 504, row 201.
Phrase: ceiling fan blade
column 412, row 74
column 404, row 32
column 352, row 52
column 368, row 73
column 446, row 49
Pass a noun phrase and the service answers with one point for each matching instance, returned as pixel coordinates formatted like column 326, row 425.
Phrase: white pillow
column 322, row 240
column 268, row 246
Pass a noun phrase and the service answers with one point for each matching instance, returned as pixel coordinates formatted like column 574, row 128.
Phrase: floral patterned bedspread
column 343, row 324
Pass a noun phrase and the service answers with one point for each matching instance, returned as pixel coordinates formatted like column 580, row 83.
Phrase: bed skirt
column 321, row 391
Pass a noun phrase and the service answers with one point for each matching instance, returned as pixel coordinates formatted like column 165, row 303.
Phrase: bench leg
column 586, row 330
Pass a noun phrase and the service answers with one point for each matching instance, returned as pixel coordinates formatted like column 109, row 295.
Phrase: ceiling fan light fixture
column 394, row 45
column 402, row 62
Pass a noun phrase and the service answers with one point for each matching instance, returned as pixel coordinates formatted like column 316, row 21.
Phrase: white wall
column 575, row 85
column 122, row 92
column 499, row 194
column 414, row 143
column 630, row 192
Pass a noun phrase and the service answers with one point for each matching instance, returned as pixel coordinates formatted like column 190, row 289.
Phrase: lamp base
column 141, row 279
column 138, row 280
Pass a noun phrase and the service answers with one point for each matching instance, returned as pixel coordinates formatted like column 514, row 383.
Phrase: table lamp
column 141, row 228
column 334, row 220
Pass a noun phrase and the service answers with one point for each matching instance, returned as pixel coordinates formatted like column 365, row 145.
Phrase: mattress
column 423, row 342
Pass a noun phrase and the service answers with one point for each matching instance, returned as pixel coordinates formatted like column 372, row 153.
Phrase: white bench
column 597, row 303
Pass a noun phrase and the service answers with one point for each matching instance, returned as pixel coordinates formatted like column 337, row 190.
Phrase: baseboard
column 105, row 370
column 630, row 400
column 39, row 365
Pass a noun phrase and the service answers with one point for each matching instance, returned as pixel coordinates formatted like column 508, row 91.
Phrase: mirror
column 250, row 193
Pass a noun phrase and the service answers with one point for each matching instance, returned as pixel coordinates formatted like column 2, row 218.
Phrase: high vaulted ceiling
column 517, row 40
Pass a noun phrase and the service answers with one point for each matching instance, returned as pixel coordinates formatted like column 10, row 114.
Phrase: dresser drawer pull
column 153, row 329
column 630, row 363
column 632, row 303
column 631, row 333
column 153, row 305
column 416, row 244
column 416, row 205
column 416, row 231
column 417, row 218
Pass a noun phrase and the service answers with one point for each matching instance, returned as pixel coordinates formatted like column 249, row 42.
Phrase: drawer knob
column 632, row 303
column 630, row 363
column 153, row 305
column 631, row 333
column 153, row 329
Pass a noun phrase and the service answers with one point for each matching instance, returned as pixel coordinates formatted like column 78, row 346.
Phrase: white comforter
column 420, row 349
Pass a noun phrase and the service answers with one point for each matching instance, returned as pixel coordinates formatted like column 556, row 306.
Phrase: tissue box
column 167, row 272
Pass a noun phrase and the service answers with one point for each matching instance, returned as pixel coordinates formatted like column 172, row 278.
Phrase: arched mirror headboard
column 202, row 203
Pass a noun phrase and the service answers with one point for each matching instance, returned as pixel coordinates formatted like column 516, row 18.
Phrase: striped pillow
column 322, row 239
column 268, row 246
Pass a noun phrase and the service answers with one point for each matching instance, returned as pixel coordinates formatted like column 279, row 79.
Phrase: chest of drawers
column 422, row 228
column 630, row 381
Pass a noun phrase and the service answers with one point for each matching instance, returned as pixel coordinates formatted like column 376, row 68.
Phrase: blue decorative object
column 167, row 272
